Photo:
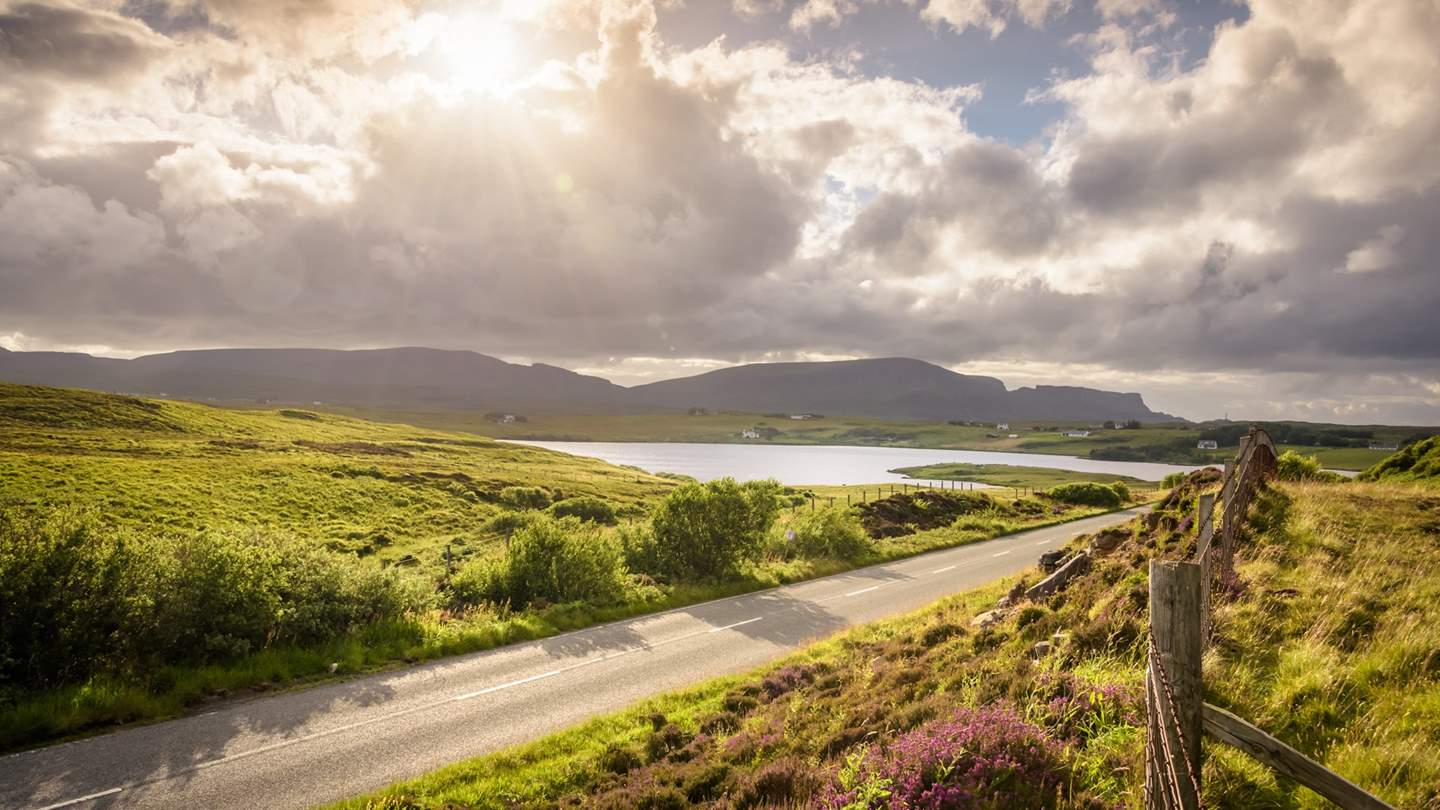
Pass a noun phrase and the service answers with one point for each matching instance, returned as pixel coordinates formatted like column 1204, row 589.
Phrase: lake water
column 825, row 464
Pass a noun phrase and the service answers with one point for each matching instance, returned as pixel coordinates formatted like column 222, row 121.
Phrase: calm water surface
column 825, row 464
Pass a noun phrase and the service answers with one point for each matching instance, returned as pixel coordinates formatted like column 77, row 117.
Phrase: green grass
column 396, row 492
column 1172, row 443
column 1419, row 462
column 1008, row 475
column 1332, row 645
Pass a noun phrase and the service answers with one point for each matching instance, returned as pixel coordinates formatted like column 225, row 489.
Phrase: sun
column 474, row 50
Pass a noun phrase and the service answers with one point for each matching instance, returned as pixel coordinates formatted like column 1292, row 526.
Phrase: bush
column 708, row 531
column 1292, row 466
column 585, row 507
column 834, row 533
column 1086, row 493
column 1121, row 489
column 558, row 560
column 638, row 547
column 77, row 598
column 1172, row 480
column 525, row 497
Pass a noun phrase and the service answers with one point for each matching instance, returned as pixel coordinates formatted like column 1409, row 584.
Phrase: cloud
column 287, row 172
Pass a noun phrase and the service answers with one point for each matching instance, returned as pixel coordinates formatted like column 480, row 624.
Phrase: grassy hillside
column 1418, row 462
column 1172, row 443
column 396, row 492
column 1331, row 644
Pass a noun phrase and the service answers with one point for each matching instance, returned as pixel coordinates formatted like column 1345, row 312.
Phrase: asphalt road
column 317, row 745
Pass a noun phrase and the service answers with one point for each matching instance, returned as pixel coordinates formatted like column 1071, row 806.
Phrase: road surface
column 317, row 745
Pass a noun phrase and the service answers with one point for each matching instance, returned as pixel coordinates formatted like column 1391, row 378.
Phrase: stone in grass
column 987, row 618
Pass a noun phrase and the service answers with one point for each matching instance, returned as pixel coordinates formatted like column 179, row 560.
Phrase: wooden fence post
column 1173, row 696
column 1204, row 537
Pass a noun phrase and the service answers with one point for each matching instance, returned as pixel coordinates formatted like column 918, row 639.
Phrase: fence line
column 1180, row 628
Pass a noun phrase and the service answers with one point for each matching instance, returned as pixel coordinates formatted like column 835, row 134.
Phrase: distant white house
column 507, row 419
column 1207, row 444
column 1013, row 436
column 800, row 417
column 749, row 433
column 1003, row 426
column 1390, row 448
column 1076, row 434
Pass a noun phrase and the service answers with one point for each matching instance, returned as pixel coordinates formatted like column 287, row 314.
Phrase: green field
column 1166, row 442
column 1309, row 650
column 396, row 492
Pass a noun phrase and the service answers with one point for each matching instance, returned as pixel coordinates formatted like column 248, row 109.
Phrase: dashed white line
column 736, row 624
column 1001, row 553
column 946, row 568
column 102, row 794
column 487, row 690
column 865, row 590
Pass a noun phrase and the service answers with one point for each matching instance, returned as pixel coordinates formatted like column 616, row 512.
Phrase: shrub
column 977, row 758
column 507, row 523
column 1292, row 466
column 77, row 598
column 1121, row 489
column 834, row 533
column 525, row 497
column 708, row 531
column 558, row 560
column 585, row 507
column 1172, row 480
column 1086, row 493
column 638, row 547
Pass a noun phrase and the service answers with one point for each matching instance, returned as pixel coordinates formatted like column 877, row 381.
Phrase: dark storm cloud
column 73, row 43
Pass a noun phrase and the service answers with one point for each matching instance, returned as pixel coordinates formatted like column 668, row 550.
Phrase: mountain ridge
column 419, row 377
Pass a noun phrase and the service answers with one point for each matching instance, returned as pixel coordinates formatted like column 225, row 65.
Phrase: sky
column 1232, row 208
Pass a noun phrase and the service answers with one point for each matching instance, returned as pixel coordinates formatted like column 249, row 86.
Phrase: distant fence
column 1180, row 627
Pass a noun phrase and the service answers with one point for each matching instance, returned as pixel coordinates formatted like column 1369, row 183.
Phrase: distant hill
column 898, row 388
column 895, row 387
column 406, row 377
column 1416, row 462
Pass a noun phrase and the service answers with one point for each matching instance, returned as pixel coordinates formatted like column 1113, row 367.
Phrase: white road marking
column 1001, row 553
column 736, row 624
column 102, row 794
column 943, row 570
column 865, row 590
column 487, row 690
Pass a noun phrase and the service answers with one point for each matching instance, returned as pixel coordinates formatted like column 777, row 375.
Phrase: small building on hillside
column 1076, row 434
column 1387, row 447
column 802, row 417
column 1207, row 444
column 1003, row 426
column 749, row 433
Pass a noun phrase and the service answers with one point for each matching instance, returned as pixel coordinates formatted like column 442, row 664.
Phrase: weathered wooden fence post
column 1173, row 694
column 1204, row 538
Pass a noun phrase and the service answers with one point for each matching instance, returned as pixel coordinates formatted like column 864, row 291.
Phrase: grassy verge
column 1331, row 645
column 104, row 702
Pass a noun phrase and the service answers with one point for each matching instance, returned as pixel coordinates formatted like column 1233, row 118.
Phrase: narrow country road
column 317, row 745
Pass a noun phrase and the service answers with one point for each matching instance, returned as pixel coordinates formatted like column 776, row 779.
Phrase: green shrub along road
column 1331, row 644
column 154, row 554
